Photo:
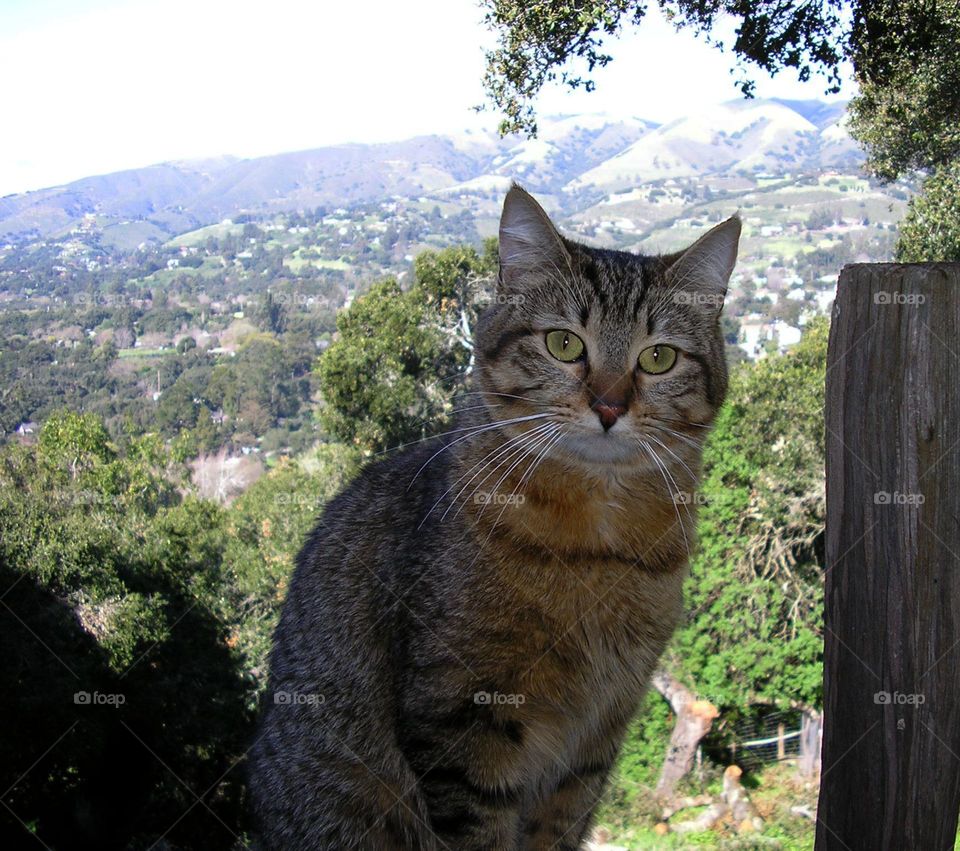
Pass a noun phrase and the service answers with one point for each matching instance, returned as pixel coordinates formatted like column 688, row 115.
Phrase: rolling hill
column 577, row 162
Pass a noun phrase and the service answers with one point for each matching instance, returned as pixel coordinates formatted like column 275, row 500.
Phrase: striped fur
column 473, row 621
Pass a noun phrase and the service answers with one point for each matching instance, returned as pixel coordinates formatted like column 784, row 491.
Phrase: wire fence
column 772, row 737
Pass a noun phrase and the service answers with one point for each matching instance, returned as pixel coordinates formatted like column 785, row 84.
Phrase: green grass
column 199, row 236
column 785, row 247
column 126, row 236
column 143, row 353
column 296, row 263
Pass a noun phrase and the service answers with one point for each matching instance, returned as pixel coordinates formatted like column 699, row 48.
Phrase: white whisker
column 673, row 495
column 693, row 478
column 519, row 453
column 474, row 430
column 497, row 450
column 551, row 441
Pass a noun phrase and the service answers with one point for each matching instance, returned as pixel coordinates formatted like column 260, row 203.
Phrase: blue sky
column 92, row 86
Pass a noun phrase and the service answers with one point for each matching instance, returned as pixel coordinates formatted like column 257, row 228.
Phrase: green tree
column 265, row 528
column 270, row 314
column 930, row 232
column 908, row 71
column 907, row 115
column 755, row 594
column 379, row 380
column 112, row 589
column 402, row 355
column 185, row 345
column 78, row 441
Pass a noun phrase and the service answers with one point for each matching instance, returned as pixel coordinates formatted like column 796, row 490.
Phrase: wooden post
column 808, row 759
column 890, row 774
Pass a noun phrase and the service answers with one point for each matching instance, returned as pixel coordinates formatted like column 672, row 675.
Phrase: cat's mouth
column 598, row 447
column 624, row 447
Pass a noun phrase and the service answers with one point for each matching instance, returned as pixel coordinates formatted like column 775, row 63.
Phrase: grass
column 143, row 353
column 126, row 236
column 199, row 236
column 630, row 814
column 784, row 247
column 296, row 263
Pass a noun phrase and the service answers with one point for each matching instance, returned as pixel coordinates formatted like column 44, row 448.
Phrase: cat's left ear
column 530, row 245
column 703, row 271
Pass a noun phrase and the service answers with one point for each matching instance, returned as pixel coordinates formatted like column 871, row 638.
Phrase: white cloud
column 123, row 86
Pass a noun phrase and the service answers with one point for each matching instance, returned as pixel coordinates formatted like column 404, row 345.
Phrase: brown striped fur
column 412, row 601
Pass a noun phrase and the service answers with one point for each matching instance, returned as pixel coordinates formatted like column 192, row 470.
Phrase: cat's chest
column 576, row 635
column 609, row 623
column 584, row 688
column 598, row 519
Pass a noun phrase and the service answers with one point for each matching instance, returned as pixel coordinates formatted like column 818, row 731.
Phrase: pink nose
column 609, row 412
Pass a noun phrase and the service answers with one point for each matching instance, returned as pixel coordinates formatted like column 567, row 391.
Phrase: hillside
column 577, row 160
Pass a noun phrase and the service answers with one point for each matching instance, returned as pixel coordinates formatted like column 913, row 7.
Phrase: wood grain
column 891, row 749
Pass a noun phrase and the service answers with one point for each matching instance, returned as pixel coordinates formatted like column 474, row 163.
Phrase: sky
column 94, row 86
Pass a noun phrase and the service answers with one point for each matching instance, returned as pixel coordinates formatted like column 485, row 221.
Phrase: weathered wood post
column 890, row 774
column 808, row 759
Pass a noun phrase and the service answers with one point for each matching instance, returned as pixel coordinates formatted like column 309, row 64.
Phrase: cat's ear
column 703, row 271
column 529, row 242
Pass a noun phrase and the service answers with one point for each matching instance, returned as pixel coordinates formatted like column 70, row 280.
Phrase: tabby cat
column 472, row 623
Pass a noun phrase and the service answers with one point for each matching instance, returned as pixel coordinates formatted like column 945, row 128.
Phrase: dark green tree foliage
column 907, row 115
column 401, row 355
column 930, row 231
column 755, row 595
column 160, row 608
column 378, row 379
column 270, row 314
column 117, row 677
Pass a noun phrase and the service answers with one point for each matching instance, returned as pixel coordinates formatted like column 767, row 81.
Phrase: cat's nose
column 609, row 412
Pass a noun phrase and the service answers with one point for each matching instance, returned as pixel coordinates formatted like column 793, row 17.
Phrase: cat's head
column 619, row 349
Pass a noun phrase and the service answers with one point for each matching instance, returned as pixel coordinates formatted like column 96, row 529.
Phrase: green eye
column 657, row 359
column 564, row 345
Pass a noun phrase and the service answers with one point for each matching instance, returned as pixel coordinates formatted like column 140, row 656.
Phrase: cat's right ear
column 703, row 270
column 529, row 242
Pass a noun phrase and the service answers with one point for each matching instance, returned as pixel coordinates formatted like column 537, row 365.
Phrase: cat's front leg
column 472, row 771
column 467, row 815
column 562, row 820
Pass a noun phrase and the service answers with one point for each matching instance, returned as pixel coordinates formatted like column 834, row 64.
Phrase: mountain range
column 577, row 160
